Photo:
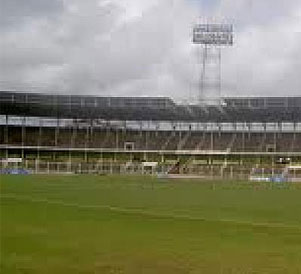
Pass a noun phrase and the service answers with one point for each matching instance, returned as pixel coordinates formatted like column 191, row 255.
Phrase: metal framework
column 212, row 37
column 156, row 110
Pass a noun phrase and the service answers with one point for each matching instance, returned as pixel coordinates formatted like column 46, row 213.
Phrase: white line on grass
column 148, row 214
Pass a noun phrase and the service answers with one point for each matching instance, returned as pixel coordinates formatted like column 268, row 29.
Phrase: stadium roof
column 233, row 109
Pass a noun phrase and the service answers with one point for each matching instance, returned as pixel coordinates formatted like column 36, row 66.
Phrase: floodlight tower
column 211, row 38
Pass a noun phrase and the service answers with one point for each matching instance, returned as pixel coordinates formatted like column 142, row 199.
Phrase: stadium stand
column 148, row 140
column 85, row 128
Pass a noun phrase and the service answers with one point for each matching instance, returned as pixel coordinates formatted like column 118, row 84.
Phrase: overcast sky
column 143, row 47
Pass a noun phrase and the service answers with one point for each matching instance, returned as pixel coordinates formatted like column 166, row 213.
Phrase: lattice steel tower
column 212, row 38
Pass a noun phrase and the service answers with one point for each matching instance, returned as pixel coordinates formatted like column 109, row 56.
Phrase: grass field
column 107, row 224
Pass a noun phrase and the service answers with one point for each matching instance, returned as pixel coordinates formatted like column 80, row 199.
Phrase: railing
column 124, row 168
column 151, row 125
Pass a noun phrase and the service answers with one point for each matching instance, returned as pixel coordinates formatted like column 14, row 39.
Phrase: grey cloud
column 105, row 47
column 256, row 13
column 16, row 13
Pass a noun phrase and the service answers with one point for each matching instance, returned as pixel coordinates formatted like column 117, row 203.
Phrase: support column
column 23, row 129
column 6, row 137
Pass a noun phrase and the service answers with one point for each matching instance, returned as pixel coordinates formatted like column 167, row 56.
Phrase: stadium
column 95, row 190
column 93, row 183
column 86, row 134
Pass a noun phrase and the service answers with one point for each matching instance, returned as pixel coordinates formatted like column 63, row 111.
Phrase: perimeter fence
column 131, row 168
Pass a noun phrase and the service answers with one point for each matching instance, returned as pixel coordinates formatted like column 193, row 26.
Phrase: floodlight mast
column 212, row 37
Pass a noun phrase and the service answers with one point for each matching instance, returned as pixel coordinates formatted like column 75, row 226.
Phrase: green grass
column 108, row 224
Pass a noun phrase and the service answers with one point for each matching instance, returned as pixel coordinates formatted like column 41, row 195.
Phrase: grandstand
column 100, row 133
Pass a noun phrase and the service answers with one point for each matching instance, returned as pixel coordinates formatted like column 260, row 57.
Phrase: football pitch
column 127, row 224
